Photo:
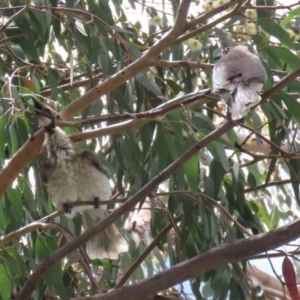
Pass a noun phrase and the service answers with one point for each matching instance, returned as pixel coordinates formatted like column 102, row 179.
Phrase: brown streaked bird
column 73, row 174
column 238, row 76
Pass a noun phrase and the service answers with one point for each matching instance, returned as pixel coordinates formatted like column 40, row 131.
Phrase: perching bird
column 238, row 76
column 73, row 174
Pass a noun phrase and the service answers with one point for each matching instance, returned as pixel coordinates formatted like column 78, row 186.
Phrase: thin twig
column 210, row 25
column 146, row 252
column 266, row 185
column 14, row 17
column 82, row 257
column 263, row 7
column 228, row 215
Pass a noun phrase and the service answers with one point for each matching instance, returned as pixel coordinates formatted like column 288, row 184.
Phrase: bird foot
column 228, row 114
column 96, row 202
column 67, row 207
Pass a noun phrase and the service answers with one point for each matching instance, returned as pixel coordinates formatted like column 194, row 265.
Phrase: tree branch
column 146, row 115
column 263, row 186
column 281, row 84
column 204, row 17
column 227, row 253
column 150, row 115
column 14, row 17
column 208, row 26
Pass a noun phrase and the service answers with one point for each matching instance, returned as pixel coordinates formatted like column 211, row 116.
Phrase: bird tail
column 108, row 243
column 245, row 97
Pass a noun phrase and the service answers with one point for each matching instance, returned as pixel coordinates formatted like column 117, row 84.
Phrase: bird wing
column 45, row 170
column 92, row 158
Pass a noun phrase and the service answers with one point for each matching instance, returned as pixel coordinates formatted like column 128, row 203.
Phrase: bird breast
column 76, row 180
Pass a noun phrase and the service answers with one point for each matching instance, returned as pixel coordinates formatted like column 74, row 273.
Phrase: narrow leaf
column 290, row 16
column 275, row 30
column 290, row 278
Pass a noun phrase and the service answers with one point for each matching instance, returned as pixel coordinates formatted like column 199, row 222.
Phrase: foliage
column 84, row 59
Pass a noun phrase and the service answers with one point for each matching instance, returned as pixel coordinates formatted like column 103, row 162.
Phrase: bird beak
column 45, row 117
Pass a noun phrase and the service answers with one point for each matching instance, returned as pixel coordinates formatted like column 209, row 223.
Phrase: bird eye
column 225, row 51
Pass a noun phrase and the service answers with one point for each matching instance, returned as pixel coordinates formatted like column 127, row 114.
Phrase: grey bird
column 238, row 76
column 74, row 174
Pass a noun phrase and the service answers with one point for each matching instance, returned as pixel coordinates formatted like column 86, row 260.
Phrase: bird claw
column 228, row 115
column 96, row 202
column 67, row 207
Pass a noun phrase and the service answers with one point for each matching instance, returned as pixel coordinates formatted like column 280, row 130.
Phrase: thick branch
column 227, row 253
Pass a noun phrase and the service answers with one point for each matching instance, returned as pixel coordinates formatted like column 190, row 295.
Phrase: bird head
column 45, row 116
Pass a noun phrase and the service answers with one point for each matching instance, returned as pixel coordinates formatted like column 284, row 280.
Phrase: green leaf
column 276, row 30
column 19, row 53
column 80, row 27
column 209, row 187
column 251, row 180
column 207, row 291
column 176, row 88
column 22, row 129
column 46, row 245
column 222, row 155
column 13, row 254
column 294, row 167
column 275, row 217
column 3, row 137
column 284, row 54
column 104, row 59
column 253, row 169
column 133, row 51
column 151, row 86
column 217, row 173
column 217, row 150
column 191, row 168
column 5, row 288
column 16, row 205
column 264, row 12
column 53, row 78
column 103, row 11
column 122, row 30
column 38, row 21
column 146, row 135
column 261, row 213
column 201, row 121
column 291, row 14
column 292, row 105
column 14, row 141
column 160, row 145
